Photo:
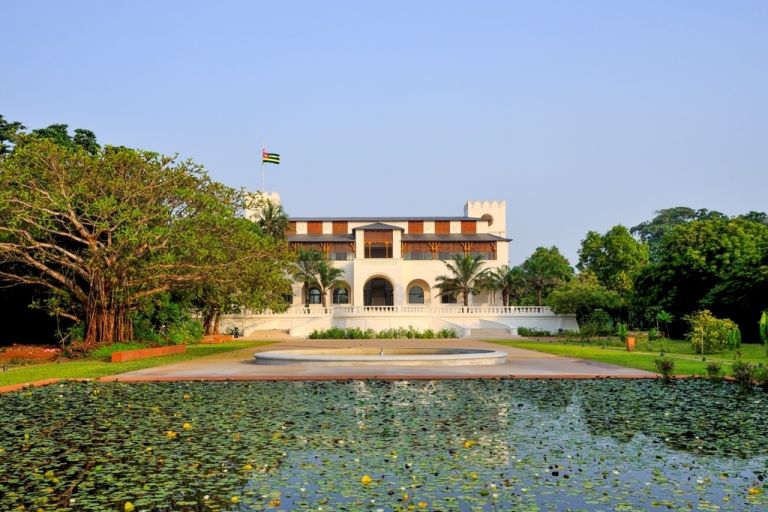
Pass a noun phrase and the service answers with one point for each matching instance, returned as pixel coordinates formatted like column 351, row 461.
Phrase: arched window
column 416, row 295
column 340, row 296
column 314, row 296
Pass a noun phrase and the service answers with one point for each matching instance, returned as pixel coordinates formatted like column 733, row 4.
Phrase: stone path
column 240, row 365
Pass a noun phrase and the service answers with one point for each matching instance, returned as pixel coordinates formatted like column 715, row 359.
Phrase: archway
column 418, row 293
column 341, row 295
column 378, row 292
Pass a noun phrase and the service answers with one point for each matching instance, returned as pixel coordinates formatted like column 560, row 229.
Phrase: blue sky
column 581, row 115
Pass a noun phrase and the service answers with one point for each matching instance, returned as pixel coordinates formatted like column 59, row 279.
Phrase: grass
column 98, row 367
column 686, row 361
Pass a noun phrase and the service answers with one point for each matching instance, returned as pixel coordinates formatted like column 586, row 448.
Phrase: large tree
column 615, row 258
column 652, row 232
column 721, row 265
column 582, row 295
column 314, row 269
column 272, row 219
column 545, row 270
column 103, row 232
column 254, row 284
column 8, row 132
column 466, row 276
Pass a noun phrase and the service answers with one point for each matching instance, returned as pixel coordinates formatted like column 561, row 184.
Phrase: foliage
column 355, row 333
column 721, row 265
column 509, row 281
column 652, row 232
column 665, row 318
column 545, row 270
column 104, row 232
column 598, row 323
column 533, row 332
column 105, row 352
column 164, row 321
column 709, row 334
column 715, row 371
column 255, row 284
column 622, row 331
column 8, row 133
column 763, row 329
column 271, row 218
column 760, row 375
column 743, row 374
column 581, row 296
column 665, row 368
column 653, row 334
column 466, row 276
column 733, row 340
column 615, row 258
column 314, row 269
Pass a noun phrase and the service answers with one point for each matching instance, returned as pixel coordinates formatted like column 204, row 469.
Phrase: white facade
column 391, row 265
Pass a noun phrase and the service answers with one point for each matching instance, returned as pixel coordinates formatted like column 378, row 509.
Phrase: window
column 314, row 296
column 448, row 299
column 417, row 256
column 339, row 256
column 378, row 250
column 416, row 295
column 341, row 296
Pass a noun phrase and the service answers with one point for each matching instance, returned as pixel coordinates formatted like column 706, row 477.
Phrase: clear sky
column 581, row 115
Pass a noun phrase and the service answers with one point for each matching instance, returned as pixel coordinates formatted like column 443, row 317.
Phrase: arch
column 418, row 292
column 341, row 295
column 314, row 296
column 378, row 291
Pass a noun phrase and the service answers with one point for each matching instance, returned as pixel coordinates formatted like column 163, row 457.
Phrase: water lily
column 234, row 499
column 754, row 491
column 247, row 467
column 128, row 506
column 469, row 443
column 422, row 504
column 187, row 396
column 186, row 426
column 366, row 479
column 274, row 502
column 49, row 474
column 170, row 434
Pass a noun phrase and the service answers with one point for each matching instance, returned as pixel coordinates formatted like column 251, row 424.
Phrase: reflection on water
column 449, row 445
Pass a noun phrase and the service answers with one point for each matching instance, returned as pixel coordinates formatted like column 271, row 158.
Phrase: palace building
column 390, row 268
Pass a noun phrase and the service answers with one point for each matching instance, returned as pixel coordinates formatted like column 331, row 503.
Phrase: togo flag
column 269, row 158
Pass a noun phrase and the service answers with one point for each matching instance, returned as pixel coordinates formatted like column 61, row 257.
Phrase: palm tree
column 305, row 268
column 327, row 277
column 273, row 220
column 467, row 276
column 509, row 281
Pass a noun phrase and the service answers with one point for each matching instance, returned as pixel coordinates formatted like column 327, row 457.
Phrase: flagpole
column 263, row 189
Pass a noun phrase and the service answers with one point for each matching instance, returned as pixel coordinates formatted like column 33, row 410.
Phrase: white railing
column 342, row 311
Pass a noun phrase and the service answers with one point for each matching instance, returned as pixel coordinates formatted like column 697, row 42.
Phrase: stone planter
column 145, row 353
column 630, row 343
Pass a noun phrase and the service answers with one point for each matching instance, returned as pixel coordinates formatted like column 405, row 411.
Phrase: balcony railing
column 345, row 311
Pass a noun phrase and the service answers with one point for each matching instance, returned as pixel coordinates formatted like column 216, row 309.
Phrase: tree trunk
column 538, row 297
column 106, row 325
column 465, row 294
column 211, row 319
column 505, row 298
column 217, row 322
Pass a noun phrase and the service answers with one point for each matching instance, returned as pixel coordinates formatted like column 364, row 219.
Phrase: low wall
column 146, row 353
column 302, row 321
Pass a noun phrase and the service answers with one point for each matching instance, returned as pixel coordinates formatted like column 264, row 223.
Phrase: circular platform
column 372, row 356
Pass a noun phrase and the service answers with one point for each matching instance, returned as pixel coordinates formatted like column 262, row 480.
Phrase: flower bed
column 145, row 353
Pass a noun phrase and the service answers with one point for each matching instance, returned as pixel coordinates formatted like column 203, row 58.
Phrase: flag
column 269, row 158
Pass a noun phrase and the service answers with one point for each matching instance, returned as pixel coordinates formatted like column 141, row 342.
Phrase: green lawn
column 686, row 362
column 92, row 368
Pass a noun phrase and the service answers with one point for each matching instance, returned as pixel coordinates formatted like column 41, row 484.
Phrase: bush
column 665, row 366
column 743, row 373
column 355, row 333
column 715, row 371
column 708, row 334
column 653, row 334
column 761, row 376
column 532, row 332
column 622, row 332
column 105, row 352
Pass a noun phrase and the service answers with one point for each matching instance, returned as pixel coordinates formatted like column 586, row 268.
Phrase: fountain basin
column 372, row 356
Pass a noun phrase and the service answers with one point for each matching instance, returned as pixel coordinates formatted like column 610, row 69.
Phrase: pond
column 490, row 445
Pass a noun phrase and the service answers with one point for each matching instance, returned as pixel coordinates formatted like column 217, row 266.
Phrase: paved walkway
column 240, row 365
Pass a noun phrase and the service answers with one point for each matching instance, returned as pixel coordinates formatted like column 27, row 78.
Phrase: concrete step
column 488, row 332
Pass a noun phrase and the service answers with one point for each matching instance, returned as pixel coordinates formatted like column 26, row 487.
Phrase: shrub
column 743, row 373
column 665, row 366
column 105, row 352
column 355, row 333
column 733, row 340
column 708, row 334
column 532, row 332
column 447, row 333
column 622, row 332
column 715, row 371
column 761, row 376
column 653, row 334
column 763, row 330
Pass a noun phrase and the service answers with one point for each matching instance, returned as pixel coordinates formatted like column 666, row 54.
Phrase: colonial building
column 390, row 268
column 394, row 261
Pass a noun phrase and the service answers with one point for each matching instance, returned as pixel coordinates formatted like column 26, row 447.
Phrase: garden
column 384, row 446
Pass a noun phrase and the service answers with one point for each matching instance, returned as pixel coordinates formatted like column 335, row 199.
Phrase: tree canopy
column 544, row 270
column 465, row 278
column 104, row 231
column 652, row 232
